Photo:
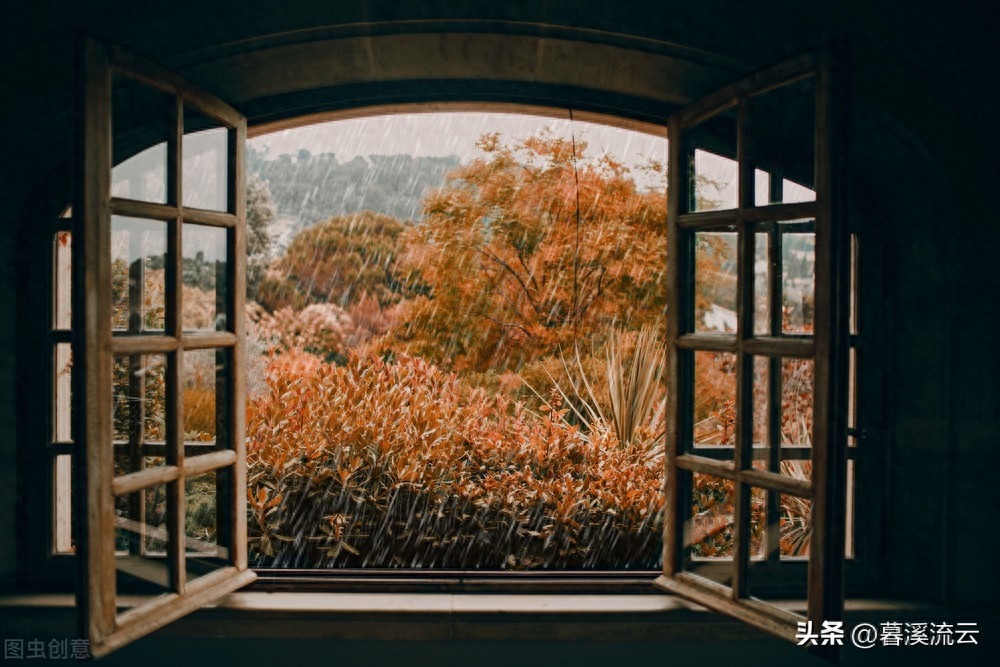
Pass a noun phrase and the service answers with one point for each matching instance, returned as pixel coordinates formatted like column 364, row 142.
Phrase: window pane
column 762, row 284
column 783, row 532
column 709, row 532
column 141, row 123
column 205, row 168
column 138, row 261
column 714, row 173
column 761, row 413
column 62, row 281
column 798, row 281
column 139, row 398
column 62, row 536
column 204, row 277
column 141, row 537
column 62, row 394
column 206, row 544
column 715, row 399
column 782, row 127
column 796, row 401
column 715, row 281
column 203, row 385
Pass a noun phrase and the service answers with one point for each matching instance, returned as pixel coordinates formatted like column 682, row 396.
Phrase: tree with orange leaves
column 533, row 247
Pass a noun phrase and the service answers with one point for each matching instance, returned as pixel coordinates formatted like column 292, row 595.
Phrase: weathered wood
column 707, row 342
column 202, row 463
column 210, row 218
column 781, row 346
column 207, row 340
column 95, row 345
column 717, row 597
column 826, row 563
column 778, row 482
column 143, row 479
column 237, row 324
column 92, row 341
column 143, row 344
column 708, row 466
column 160, row 611
column 133, row 208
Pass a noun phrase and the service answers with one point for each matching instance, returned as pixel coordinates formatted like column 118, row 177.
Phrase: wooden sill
column 439, row 616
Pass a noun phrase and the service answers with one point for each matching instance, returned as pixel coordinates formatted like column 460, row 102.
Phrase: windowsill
column 438, row 616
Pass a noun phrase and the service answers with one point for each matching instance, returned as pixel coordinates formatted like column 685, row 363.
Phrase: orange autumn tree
column 529, row 249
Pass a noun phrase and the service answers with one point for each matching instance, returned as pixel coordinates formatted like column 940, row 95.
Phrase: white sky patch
column 455, row 133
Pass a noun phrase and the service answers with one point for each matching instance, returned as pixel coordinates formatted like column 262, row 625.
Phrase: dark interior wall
column 925, row 149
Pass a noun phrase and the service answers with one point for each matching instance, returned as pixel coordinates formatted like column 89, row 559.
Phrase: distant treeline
column 310, row 187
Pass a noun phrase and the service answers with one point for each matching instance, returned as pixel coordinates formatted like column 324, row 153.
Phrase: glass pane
column 761, row 187
column 138, row 261
column 795, row 525
column 205, row 169
column 714, row 173
column 709, row 533
column 203, row 386
column 849, row 511
column 203, row 548
column 782, row 123
column 715, row 281
column 853, row 317
column 141, row 537
column 62, row 536
column 798, row 281
column 852, row 380
column 139, row 383
column 204, row 277
column 62, row 394
column 715, row 399
column 785, row 531
column 761, row 414
column 141, row 122
column 62, row 281
column 761, row 284
column 796, row 401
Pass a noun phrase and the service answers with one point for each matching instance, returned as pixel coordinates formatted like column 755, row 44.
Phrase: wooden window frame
column 95, row 344
column 827, row 347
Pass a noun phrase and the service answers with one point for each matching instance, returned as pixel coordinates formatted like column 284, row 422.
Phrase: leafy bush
column 380, row 464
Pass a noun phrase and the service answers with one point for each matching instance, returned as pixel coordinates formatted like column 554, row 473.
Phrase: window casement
column 791, row 115
column 142, row 366
column 159, row 396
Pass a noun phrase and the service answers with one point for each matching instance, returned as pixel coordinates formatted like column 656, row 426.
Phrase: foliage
column 532, row 248
column 633, row 389
column 341, row 261
column 397, row 464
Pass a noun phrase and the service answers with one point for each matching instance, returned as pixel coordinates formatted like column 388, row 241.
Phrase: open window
column 783, row 125
column 158, row 386
column 158, row 391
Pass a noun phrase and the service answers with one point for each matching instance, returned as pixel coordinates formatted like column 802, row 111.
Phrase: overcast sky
column 454, row 133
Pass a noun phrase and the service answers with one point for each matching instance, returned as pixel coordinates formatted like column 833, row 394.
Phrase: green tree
column 260, row 216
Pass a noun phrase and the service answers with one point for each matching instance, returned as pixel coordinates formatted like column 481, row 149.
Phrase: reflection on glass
column 796, row 401
column 62, row 280
column 205, row 545
column 138, row 261
column 63, row 385
column 205, row 172
column 761, row 187
column 141, row 123
column 714, row 181
column 714, row 398
column 139, row 398
column 761, row 284
column 715, row 281
column 798, row 282
column 202, row 384
column 62, row 538
column 141, row 538
column 710, row 530
column 761, row 417
column 795, row 525
column 204, row 277
column 782, row 122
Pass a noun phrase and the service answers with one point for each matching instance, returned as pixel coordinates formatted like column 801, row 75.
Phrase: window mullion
column 774, row 375
column 175, row 359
